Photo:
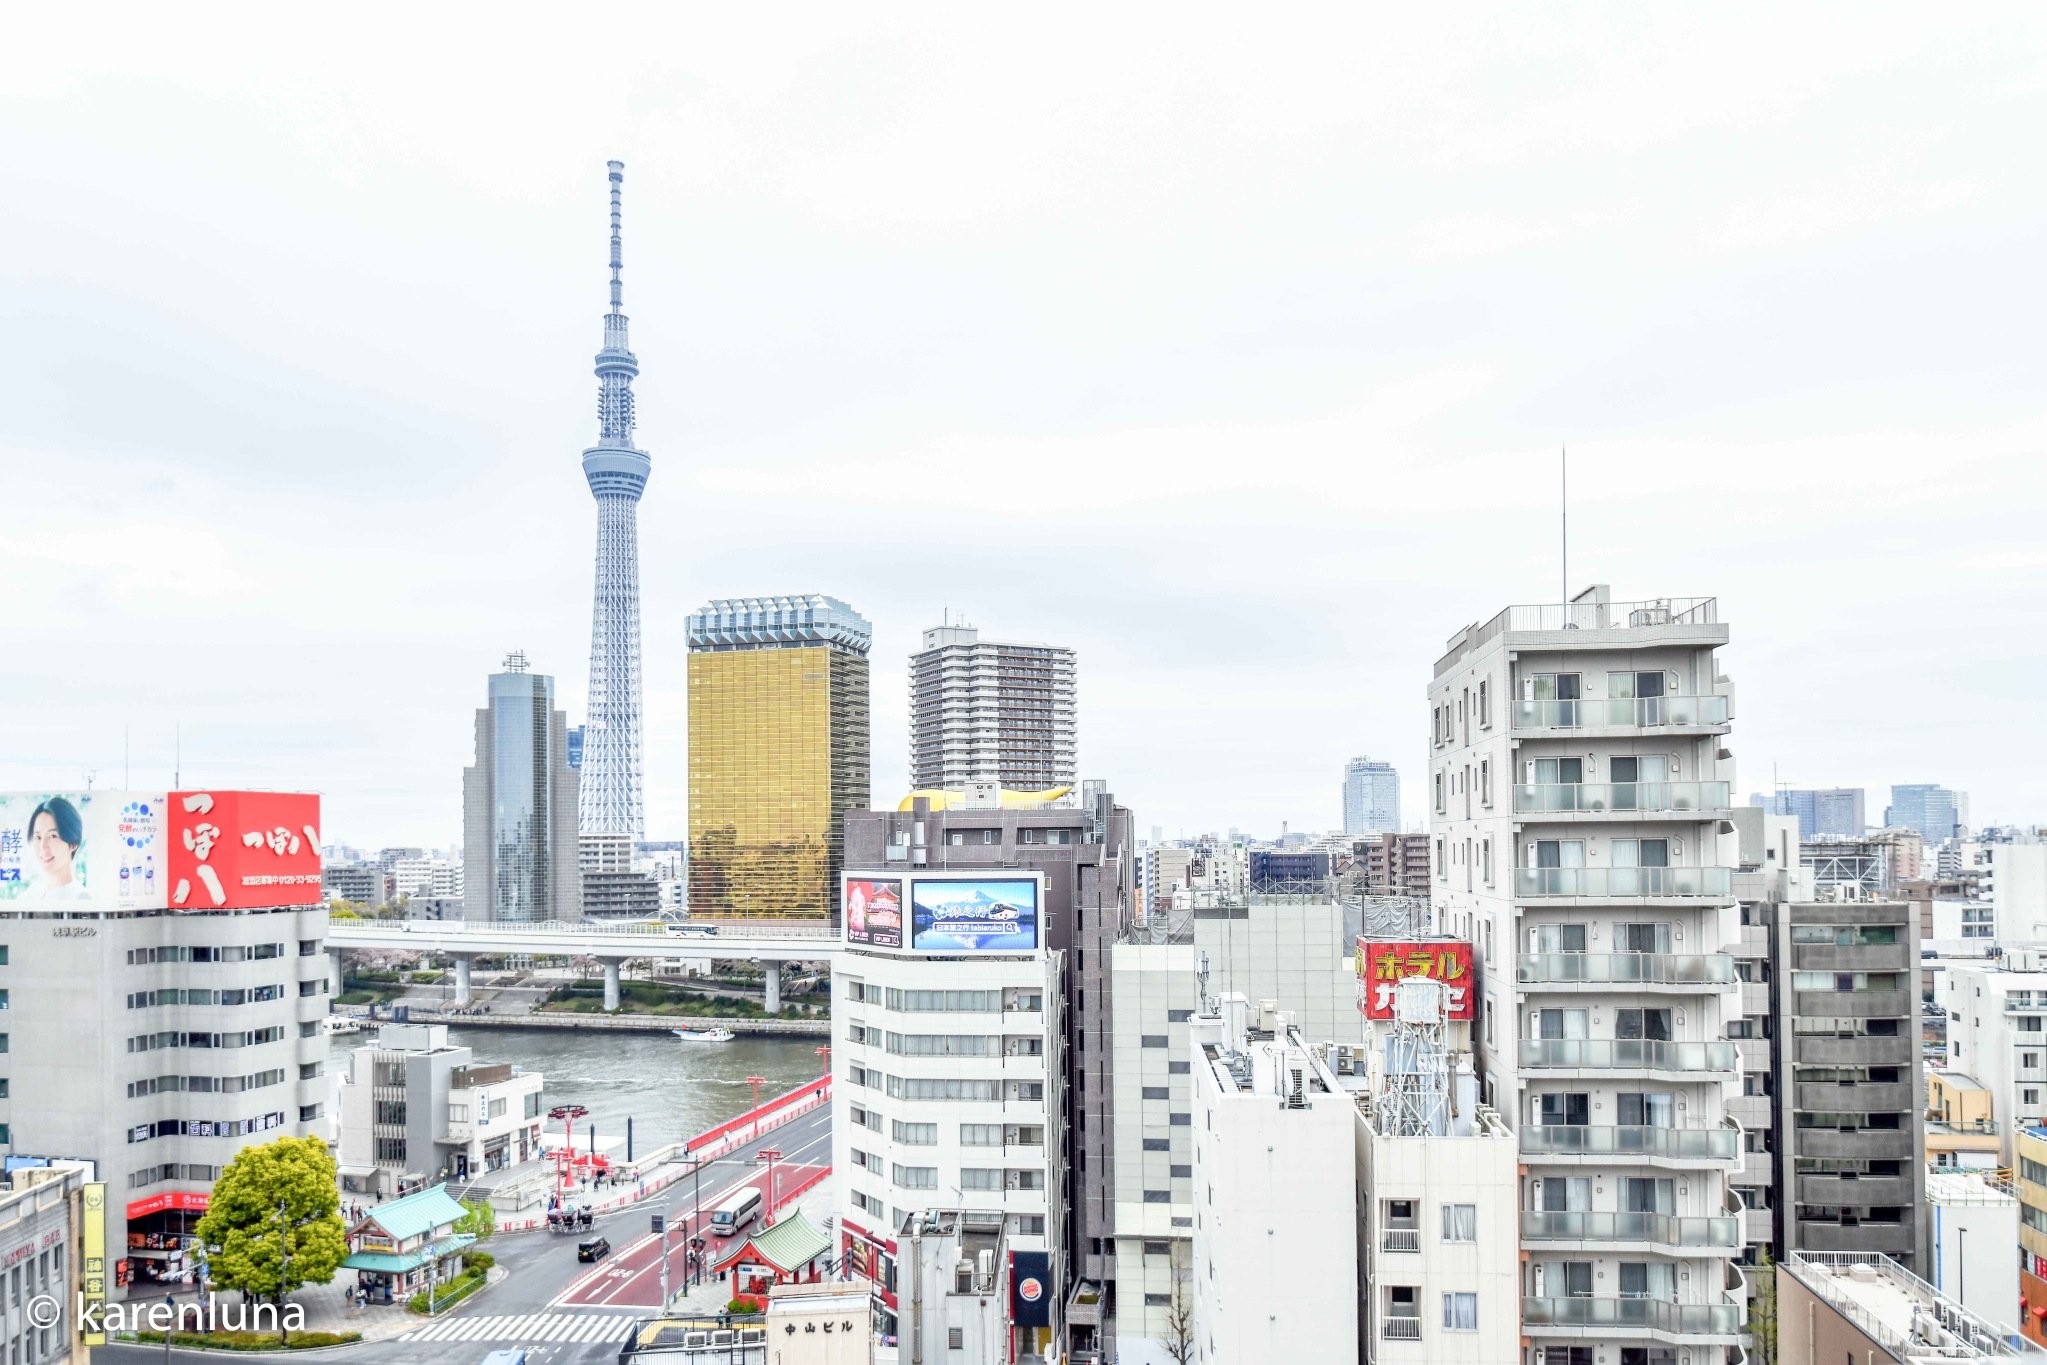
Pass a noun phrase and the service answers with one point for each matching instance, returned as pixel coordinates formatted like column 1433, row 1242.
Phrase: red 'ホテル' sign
column 1384, row 964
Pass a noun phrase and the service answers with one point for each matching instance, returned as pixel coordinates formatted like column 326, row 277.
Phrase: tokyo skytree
column 610, row 796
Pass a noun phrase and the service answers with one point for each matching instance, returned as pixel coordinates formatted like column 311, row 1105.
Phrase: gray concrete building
column 416, row 1109
column 990, row 711
column 1851, row 1137
column 521, row 851
column 1089, row 890
column 157, row 1044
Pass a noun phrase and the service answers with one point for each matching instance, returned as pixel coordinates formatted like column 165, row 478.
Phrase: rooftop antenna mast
column 1564, row 477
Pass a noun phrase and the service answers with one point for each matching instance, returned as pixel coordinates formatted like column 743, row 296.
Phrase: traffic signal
column 660, row 1221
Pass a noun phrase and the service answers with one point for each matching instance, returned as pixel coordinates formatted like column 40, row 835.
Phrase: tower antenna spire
column 617, row 169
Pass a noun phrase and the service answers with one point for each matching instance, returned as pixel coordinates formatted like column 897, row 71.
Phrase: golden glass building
column 778, row 753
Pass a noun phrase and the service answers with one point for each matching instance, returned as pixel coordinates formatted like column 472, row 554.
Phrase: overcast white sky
column 1231, row 347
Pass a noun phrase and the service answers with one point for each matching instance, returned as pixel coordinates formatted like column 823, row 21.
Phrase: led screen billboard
column 103, row 848
column 1383, row 964
column 975, row 914
column 874, row 911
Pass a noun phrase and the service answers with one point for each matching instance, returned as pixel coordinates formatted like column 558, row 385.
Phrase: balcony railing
column 1400, row 1329
column 1680, row 1144
column 1664, row 1229
column 1623, row 881
column 1973, row 1127
column 1656, row 1315
column 1656, row 969
column 1577, row 713
column 1643, row 1053
column 1599, row 797
column 1400, row 1239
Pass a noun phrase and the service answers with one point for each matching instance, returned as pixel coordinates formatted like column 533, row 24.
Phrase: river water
column 670, row 1089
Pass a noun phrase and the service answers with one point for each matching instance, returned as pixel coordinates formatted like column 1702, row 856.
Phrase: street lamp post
column 756, row 1082
column 769, row 1155
column 283, row 1272
column 696, row 1222
column 825, row 1058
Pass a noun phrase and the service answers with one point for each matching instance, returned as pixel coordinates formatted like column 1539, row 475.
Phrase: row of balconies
column 1701, row 1060
column 1680, row 1148
column 1667, row 1233
column 1620, row 713
column 1654, row 1317
column 1628, row 883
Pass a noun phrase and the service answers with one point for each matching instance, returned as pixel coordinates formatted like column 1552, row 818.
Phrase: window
column 944, row 1044
column 980, row 1135
column 915, row 1134
column 1166, row 1145
column 915, row 1177
column 1152, row 1040
column 1486, row 856
column 1460, row 1312
column 1844, row 981
column 980, row 1178
column 1157, row 1092
column 952, row 1002
column 1460, row 1222
column 1026, row 1180
column 1439, row 793
column 1485, row 705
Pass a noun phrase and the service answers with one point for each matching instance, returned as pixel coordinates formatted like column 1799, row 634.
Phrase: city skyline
column 1183, row 474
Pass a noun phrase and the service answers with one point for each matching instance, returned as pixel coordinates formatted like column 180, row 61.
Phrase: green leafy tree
column 1762, row 1309
column 242, row 1219
column 481, row 1220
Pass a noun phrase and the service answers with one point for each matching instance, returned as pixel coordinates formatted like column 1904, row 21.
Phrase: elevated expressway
column 611, row 944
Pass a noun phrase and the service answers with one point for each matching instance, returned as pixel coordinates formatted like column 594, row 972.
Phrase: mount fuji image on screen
column 997, row 915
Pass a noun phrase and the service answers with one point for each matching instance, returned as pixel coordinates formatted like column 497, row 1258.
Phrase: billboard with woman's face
column 106, row 848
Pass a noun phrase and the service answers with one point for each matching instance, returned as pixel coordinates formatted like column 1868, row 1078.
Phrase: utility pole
column 283, row 1271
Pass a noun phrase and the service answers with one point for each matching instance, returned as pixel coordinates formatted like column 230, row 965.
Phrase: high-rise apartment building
column 989, row 711
column 1391, row 865
column 608, row 752
column 1577, row 788
column 520, row 848
column 1938, row 813
column 779, row 752
column 1371, row 797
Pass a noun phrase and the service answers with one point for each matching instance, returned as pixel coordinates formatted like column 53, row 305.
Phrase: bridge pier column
column 774, row 987
column 610, row 966
column 463, row 961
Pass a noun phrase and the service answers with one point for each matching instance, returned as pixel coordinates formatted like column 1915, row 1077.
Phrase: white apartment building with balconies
column 1579, row 793
column 952, row 1099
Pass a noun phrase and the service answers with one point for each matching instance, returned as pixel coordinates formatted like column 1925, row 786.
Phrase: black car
column 596, row 1249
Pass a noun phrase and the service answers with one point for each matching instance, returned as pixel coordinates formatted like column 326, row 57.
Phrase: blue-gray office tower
column 611, row 801
column 1371, row 797
column 1938, row 813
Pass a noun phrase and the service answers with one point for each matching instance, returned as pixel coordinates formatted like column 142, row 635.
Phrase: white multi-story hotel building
column 952, row 1102
column 1578, row 789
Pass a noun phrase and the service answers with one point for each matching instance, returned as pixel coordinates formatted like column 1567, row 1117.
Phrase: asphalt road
column 558, row 1310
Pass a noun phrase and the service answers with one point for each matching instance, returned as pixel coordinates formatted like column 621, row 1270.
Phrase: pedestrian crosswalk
column 536, row 1327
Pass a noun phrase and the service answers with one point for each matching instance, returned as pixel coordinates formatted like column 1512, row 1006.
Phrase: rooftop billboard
column 234, row 850
column 104, row 849
column 996, row 910
column 1382, row 964
column 874, row 911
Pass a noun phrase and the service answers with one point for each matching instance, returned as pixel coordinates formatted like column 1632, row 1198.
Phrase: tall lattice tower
column 610, row 801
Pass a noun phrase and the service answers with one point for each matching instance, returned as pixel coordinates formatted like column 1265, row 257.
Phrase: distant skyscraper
column 1936, row 812
column 983, row 711
column 1832, row 813
column 778, row 752
column 617, row 472
column 521, row 857
column 1371, row 797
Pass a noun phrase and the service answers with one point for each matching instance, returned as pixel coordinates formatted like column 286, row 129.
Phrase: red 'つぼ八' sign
column 236, row 850
column 190, row 1201
column 1382, row 966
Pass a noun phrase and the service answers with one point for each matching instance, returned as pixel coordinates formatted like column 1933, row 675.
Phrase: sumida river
column 670, row 1089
